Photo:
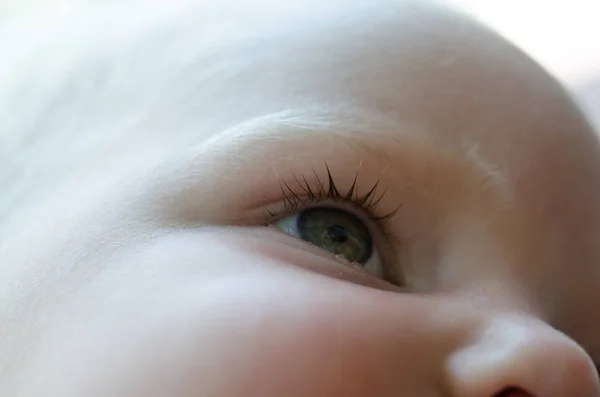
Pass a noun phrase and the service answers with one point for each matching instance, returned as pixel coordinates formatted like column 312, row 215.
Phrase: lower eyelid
column 315, row 259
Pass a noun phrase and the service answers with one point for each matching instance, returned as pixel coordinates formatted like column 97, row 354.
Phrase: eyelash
column 318, row 192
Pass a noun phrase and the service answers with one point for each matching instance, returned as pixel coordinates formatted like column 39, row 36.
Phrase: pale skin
column 140, row 253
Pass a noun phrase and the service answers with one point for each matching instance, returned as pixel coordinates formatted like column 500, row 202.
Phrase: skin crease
column 141, row 161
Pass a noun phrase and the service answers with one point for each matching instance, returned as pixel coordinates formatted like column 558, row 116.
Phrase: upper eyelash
column 318, row 191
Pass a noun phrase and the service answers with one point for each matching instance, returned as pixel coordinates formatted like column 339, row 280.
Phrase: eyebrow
column 333, row 130
column 379, row 139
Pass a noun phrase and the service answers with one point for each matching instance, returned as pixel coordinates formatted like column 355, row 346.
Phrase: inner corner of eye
column 286, row 223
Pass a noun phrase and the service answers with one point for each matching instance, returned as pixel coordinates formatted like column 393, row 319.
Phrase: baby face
column 329, row 199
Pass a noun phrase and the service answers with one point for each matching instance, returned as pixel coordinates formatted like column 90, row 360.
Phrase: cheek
column 267, row 330
column 277, row 338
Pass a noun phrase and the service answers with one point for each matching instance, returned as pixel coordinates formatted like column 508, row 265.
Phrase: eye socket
column 337, row 231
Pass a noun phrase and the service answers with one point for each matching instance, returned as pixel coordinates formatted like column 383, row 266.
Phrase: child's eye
column 337, row 231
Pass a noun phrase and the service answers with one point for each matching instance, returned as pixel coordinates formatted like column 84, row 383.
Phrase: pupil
column 337, row 234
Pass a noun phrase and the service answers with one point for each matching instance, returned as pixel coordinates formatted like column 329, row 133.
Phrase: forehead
column 182, row 72
column 220, row 63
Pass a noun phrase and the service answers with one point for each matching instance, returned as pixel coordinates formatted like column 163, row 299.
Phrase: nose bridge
column 524, row 354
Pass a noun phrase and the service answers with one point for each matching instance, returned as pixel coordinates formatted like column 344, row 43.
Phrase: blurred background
column 563, row 35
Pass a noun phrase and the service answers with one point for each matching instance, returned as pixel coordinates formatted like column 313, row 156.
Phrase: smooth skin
column 142, row 152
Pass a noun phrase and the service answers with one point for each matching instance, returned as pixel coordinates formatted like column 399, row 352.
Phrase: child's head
column 165, row 166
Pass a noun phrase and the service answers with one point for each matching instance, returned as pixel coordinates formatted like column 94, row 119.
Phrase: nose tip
column 521, row 358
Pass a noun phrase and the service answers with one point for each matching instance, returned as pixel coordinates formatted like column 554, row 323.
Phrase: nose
column 515, row 357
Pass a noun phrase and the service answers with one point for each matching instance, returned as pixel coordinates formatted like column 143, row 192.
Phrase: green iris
column 336, row 231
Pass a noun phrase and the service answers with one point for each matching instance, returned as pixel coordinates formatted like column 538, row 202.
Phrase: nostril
column 513, row 392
